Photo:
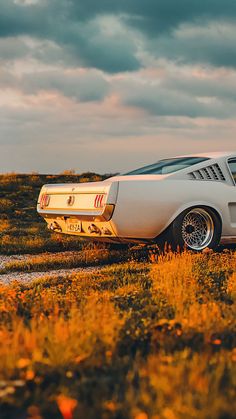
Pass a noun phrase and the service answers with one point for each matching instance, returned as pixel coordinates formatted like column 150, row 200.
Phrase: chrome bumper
column 91, row 216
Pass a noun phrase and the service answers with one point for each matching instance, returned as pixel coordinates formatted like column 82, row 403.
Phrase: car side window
column 232, row 166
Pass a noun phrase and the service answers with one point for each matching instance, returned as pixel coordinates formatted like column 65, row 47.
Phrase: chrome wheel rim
column 197, row 229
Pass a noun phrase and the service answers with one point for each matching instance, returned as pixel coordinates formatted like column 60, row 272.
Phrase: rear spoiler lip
column 105, row 215
column 83, row 187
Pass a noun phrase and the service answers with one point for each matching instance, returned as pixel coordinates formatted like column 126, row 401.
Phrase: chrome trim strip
column 93, row 216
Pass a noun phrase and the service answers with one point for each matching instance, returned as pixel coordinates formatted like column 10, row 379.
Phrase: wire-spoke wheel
column 196, row 229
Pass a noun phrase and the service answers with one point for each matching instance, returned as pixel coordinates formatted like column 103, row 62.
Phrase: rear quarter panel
column 144, row 209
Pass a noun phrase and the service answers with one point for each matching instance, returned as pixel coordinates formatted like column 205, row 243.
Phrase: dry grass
column 184, row 385
column 135, row 340
column 26, row 241
column 55, row 341
column 188, row 283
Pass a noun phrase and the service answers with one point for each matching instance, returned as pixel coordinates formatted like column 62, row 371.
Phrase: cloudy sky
column 108, row 85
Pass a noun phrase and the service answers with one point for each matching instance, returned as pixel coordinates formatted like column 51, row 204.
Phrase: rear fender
column 189, row 206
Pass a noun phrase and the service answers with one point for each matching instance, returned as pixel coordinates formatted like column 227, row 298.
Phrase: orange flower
column 23, row 362
column 110, row 405
column 153, row 258
column 234, row 355
column 141, row 415
column 217, row 342
column 29, row 375
column 66, row 406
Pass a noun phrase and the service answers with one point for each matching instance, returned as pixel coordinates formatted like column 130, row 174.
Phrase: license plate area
column 74, row 226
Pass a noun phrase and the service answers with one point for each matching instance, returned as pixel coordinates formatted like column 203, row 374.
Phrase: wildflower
column 29, row 375
column 80, row 358
column 169, row 414
column 111, row 406
column 234, row 355
column 141, row 415
column 217, row 342
column 23, row 362
column 66, row 406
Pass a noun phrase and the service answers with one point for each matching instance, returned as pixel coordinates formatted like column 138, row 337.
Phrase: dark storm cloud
column 152, row 15
column 157, row 16
column 74, row 25
column 213, row 44
column 16, row 19
column 95, row 48
column 84, row 40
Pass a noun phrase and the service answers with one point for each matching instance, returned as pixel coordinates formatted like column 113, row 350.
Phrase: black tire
column 196, row 229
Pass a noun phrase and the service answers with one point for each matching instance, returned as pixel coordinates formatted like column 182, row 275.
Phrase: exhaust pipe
column 54, row 226
column 93, row 229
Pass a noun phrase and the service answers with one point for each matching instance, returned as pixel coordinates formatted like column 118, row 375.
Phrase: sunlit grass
column 133, row 340
column 32, row 243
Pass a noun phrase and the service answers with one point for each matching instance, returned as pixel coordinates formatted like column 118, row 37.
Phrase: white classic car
column 188, row 201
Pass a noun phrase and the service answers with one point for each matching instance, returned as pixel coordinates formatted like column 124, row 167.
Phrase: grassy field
column 150, row 337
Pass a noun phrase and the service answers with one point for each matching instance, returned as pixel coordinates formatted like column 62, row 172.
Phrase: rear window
column 165, row 166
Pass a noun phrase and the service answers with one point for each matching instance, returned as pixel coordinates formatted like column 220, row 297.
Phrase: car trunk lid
column 78, row 199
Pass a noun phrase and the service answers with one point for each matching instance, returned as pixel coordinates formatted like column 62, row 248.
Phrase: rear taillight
column 44, row 200
column 99, row 201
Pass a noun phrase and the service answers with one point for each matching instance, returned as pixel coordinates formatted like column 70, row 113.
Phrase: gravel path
column 5, row 259
column 12, row 258
column 25, row 277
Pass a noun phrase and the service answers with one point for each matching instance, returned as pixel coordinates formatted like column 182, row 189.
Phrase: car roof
column 212, row 154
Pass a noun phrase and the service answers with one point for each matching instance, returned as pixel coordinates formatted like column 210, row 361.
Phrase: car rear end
column 81, row 209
